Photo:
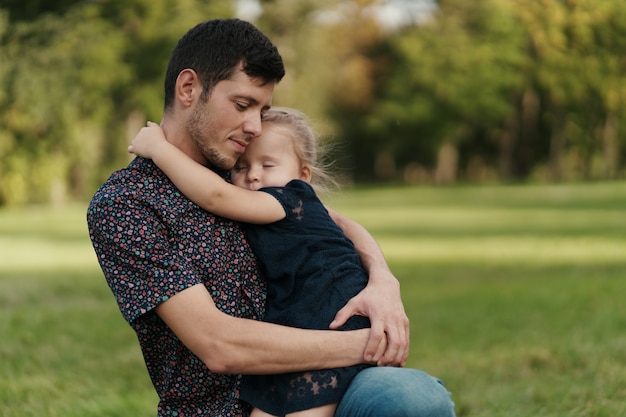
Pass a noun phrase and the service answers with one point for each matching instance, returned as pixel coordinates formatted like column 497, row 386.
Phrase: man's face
column 222, row 127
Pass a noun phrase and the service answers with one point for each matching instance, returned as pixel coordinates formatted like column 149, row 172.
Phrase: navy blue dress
column 312, row 270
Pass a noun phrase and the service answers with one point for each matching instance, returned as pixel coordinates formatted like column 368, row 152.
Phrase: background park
column 481, row 142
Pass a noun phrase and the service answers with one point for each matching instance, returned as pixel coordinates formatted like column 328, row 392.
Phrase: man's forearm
column 267, row 348
column 233, row 345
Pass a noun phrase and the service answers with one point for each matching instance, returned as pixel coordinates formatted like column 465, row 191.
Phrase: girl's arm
column 203, row 186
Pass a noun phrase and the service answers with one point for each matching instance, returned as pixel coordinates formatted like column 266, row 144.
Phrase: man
column 187, row 282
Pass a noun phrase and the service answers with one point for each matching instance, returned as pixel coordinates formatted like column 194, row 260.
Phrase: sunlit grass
column 44, row 238
column 507, row 250
column 64, row 348
column 34, row 254
column 480, row 221
column 514, row 295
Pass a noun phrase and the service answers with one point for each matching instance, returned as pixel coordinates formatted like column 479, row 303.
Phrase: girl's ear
column 306, row 173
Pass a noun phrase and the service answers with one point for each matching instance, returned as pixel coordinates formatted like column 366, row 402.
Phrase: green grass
column 514, row 295
column 64, row 348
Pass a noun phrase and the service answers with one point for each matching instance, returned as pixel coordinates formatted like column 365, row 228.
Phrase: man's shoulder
column 142, row 190
column 140, row 183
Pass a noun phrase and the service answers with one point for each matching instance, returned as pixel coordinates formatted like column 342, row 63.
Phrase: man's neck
column 178, row 136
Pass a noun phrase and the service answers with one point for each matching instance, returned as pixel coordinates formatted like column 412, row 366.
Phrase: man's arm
column 225, row 344
column 228, row 344
column 380, row 300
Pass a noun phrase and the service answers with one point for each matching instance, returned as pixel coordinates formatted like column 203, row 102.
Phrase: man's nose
column 252, row 126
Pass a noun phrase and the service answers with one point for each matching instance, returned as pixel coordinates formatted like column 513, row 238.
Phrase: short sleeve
column 293, row 197
column 141, row 266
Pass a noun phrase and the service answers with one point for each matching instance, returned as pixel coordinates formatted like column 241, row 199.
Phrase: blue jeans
column 395, row 392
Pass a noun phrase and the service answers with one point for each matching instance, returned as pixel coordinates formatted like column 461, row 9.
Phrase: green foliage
column 575, row 64
column 473, row 91
column 73, row 80
column 452, row 81
column 54, row 80
column 527, row 90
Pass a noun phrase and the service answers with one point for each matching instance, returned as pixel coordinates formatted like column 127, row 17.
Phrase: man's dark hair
column 214, row 48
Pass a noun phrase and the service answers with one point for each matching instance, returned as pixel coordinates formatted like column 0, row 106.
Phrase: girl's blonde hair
column 305, row 144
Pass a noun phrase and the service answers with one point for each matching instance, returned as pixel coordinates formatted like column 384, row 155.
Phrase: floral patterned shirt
column 152, row 243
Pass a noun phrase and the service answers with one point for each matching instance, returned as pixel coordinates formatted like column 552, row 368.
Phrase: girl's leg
column 323, row 411
column 259, row 413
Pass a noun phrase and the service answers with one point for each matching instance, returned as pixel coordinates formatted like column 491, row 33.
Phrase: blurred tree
column 449, row 84
column 467, row 89
column 76, row 82
column 574, row 63
column 321, row 43
column 52, row 81
column 332, row 74
column 28, row 10
column 297, row 28
column 490, row 85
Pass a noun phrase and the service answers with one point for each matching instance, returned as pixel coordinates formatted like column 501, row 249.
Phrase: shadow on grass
column 66, row 351
column 520, row 340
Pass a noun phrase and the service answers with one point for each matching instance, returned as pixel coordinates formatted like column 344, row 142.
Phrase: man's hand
column 380, row 301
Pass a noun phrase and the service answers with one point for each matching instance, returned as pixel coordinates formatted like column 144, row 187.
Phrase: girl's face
column 270, row 160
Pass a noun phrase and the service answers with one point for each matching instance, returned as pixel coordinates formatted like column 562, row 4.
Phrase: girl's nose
column 252, row 174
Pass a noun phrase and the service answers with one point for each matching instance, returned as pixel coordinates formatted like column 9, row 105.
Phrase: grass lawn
column 514, row 295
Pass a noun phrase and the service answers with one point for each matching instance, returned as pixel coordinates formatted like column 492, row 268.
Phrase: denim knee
column 395, row 392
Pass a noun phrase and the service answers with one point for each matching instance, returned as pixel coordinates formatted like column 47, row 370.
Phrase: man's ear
column 187, row 87
column 306, row 173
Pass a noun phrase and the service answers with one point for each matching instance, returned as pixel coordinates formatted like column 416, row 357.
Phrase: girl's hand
column 147, row 141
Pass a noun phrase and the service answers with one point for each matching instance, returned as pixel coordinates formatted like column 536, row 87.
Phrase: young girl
column 311, row 267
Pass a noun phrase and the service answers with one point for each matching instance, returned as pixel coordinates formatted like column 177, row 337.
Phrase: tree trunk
column 447, row 164
column 529, row 130
column 610, row 146
column 557, row 146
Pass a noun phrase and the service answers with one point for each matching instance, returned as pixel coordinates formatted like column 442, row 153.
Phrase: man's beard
column 216, row 160
column 200, row 129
